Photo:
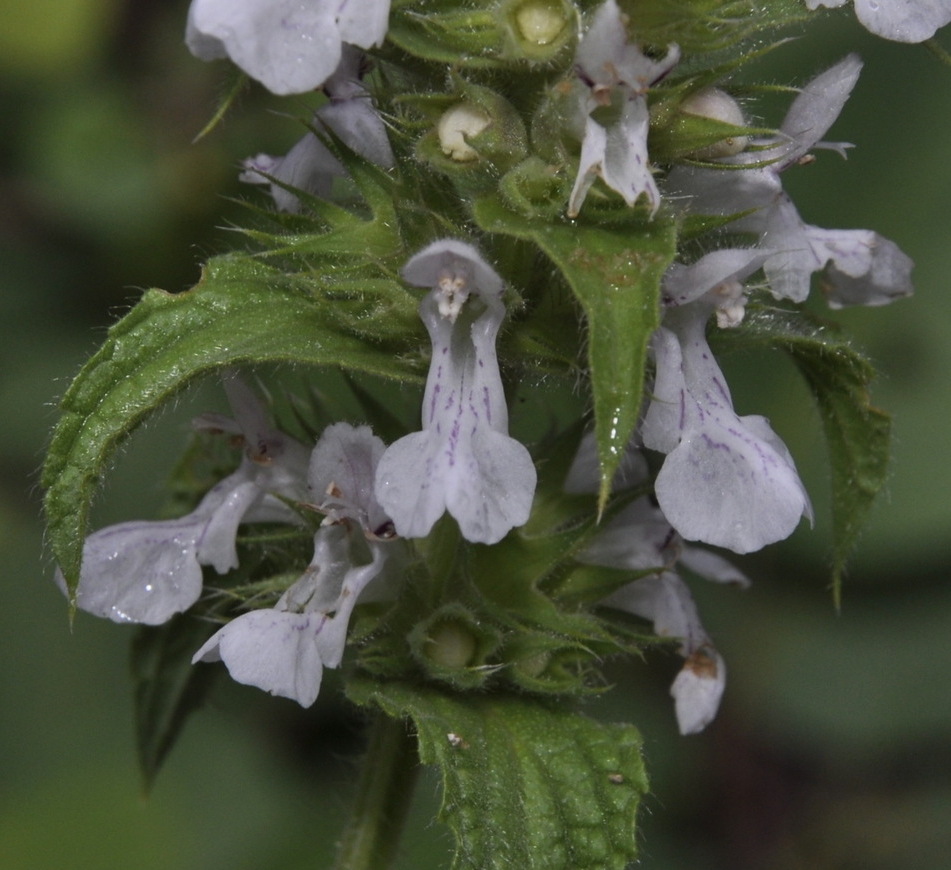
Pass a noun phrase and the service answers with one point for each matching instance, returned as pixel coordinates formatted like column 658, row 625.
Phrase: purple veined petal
column 463, row 461
column 485, row 481
column 408, row 485
column 273, row 650
column 490, row 490
column 697, row 690
column 625, row 167
column 667, row 414
column 726, row 480
column 724, row 485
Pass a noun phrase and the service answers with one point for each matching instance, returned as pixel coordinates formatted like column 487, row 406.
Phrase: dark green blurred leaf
column 168, row 687
column 615, row 274
column 525, row 785
column 857, row 433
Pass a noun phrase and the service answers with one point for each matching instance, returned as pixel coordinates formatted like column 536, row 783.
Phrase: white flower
column 716, row 280
column 611, row 67
column 288, row 45
column 862, row 268
column 727, row 480
column 463, row 460
column 639, row 538
column 283, row 650
column 310, row 166
column 666, row 601
column 147, row 572
column 901, row 20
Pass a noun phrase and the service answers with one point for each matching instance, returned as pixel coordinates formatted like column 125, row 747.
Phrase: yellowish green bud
column 540, row 22
column 450, row 645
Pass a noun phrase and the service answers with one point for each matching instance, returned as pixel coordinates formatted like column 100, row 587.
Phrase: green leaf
column 168, row 687
column 615, row 274
column 525, row 784
column 856, row 432
column 240, row 312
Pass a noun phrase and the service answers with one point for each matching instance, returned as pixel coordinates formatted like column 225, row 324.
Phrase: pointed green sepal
column 615, row 274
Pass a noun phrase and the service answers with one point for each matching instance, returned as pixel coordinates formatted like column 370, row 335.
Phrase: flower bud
column 475, row 138
column 535, row 188
column 486, row 35
column 452, row 646
column 539, row 29
column 456, row 126
column 717, row 105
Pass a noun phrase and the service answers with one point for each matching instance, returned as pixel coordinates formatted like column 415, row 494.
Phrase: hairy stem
column 383, row 798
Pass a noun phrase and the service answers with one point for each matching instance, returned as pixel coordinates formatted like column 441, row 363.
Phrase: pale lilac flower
column 463, row 460
column 666, row 601
column 289, row 46
column 310, row 166
column 861, row 267
column 716, row 279
column 147, row 571
column 640, row 539
column 901, row 20
column 611, row 68
column 726, row 480
column 283, row 650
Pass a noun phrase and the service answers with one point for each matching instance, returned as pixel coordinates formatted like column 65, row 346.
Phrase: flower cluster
column 463, row 462
column 696, row 471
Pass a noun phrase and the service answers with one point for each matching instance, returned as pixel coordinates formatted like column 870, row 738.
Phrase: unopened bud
column 456, row 126
column 451, row 645
column 717, row 105
column 540, row 22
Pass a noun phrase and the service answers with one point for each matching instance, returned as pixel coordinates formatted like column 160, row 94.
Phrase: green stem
column 389, row 772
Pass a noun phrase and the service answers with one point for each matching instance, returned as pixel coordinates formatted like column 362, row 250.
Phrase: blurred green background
column 832, row 749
